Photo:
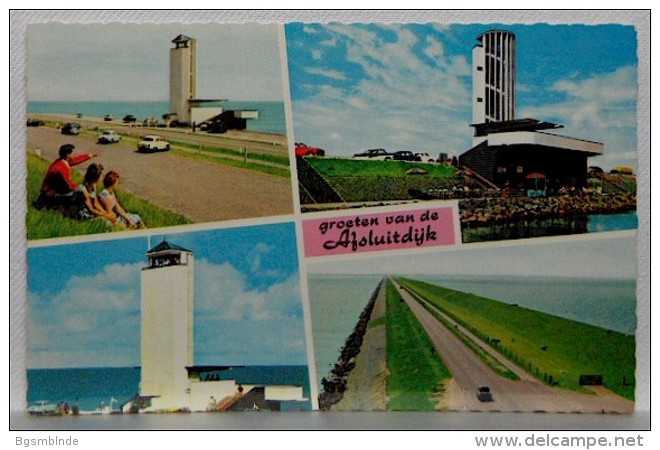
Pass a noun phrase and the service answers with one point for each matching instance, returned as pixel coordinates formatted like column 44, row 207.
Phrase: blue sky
column 130, row 62
column 84, row 303
column 409, row 87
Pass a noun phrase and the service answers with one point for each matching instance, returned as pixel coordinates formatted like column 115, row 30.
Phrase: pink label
column 416, row 228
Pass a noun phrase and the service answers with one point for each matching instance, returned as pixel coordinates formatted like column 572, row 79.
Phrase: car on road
column 216, row 127
column 484, row 394
column 34, row 122
column 303, row 150
column 129, row 119
column 378, row 154
column 108, row 117
column 424, row 157
column 404, row 155
column 108, row 137
column 150, row 144
column 72, row 129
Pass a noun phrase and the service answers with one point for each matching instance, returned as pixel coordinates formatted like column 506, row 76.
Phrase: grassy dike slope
column 416, row 371
column 365, row 180
column 554, row 349
column 47, row 223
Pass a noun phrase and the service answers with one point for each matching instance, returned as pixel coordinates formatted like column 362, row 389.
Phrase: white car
column 424, row 157
column 43, row 407
column 153, row 144
column 108, row 137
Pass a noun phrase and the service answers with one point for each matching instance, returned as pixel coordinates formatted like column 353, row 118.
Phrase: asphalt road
column 202, row 191
column 525, row 395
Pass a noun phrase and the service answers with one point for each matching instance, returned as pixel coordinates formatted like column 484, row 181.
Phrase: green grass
column 416, row 371
column 43, row 224
column 329, row 167
column 277, row 171
column 553, row 349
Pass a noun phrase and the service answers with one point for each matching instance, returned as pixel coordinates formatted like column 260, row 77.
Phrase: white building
column 508, row 152
column 183, row 76
column 167, row 334
column 170, row 380
column 494, row 77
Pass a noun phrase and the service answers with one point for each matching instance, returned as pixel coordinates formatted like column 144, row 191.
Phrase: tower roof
column 181, row 38
column 164, row 246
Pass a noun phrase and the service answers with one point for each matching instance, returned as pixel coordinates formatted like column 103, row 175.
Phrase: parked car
column 374, row 153
column 404, row 155
column 129, row 118
column 484, row 394
column 109, row 118
column 150, row 144
column 217, row 127
column 424, row 157
column 43, row 407
column 108, row 137
column 72, row 129
column 303, row 150
column 34, row 123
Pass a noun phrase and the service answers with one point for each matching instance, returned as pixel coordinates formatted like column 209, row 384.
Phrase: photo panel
column 531, row 129
column 133, row 126
column 208, row 320
column 545, row 326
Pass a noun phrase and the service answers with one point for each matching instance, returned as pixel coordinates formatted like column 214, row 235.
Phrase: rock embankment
column 335, row 384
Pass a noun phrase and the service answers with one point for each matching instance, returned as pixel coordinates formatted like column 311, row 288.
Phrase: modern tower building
column 185, row 107
column 494, row 77
column 167, row 325
column 509, row 152
column 169, row 378
column 183, row 76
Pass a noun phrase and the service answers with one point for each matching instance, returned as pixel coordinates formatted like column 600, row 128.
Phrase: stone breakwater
column 501, row 210
column 334, row 384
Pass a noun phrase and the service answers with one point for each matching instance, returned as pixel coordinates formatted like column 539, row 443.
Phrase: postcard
column 333, row 217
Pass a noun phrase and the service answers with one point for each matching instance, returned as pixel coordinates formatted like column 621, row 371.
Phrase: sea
column 94, row 388
column 271, row 114
column 595, row 223
column 337, row 300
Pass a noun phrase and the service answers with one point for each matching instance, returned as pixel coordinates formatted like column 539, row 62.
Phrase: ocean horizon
column 271, row 113
column 93, row 388
column 336, row 302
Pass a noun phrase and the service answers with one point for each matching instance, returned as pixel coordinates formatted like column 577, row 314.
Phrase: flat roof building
column 508, row 151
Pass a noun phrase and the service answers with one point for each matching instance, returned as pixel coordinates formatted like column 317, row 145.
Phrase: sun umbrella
column 536, row 177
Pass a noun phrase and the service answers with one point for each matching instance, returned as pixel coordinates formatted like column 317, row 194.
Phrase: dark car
column 305, row 150
column 72, row 129
column 34, row 123
column 374, row 153
column 484, row 394
column 216, row 127
column 129, row 119
column 404, row 155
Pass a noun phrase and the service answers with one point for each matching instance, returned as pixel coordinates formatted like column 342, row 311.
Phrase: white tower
column 494, row 77
column 167, row 326
column 183, row 76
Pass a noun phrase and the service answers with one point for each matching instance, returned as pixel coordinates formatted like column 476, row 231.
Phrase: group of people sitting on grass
column 84, row 201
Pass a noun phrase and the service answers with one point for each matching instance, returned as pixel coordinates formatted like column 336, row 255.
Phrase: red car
column 304, row 150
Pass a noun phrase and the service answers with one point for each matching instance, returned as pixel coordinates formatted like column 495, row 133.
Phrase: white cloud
column 401, row 103
column 601, row 108
column 95, row 320
column 332, row 74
